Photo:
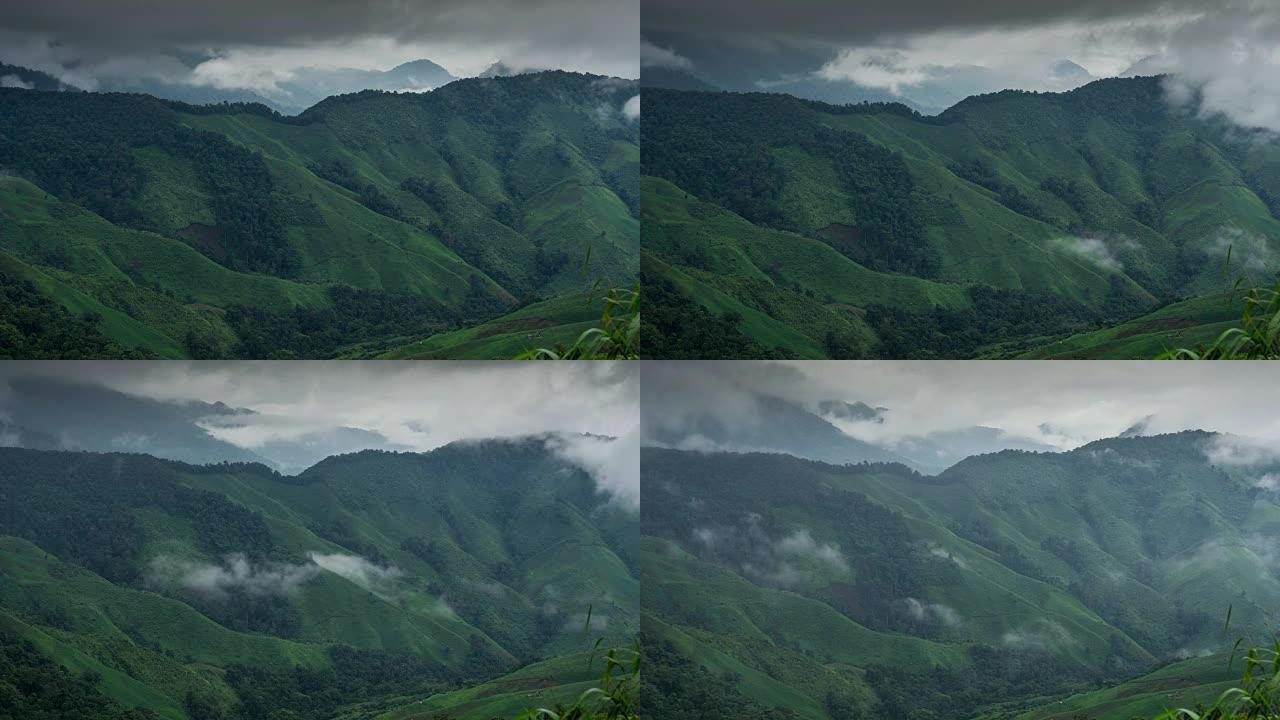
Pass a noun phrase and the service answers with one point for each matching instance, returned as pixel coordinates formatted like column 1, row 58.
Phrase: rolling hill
column 1002, row 585
column 370, row 583
column 1001, row 227
column 369, row 222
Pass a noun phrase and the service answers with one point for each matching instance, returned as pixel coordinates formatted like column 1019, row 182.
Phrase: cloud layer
column 1072, row 403
column 242, row 44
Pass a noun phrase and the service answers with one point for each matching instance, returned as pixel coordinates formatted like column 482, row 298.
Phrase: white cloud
column 614, row 463
column 1094, row 250
column 1248, row 251
column 922, row 611
column 1241, row 450
column 356, row 569
column 234, row 574
column 801, row 544
column 631, row 109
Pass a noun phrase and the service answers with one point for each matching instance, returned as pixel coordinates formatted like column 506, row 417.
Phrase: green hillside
column 1001, row 585
column 998, row 228
column 232, row 231
column 372, row 581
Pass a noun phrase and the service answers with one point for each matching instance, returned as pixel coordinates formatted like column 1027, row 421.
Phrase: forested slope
column 874, row 591
column 1005, row 222
column 374, row 580
column 368, row 221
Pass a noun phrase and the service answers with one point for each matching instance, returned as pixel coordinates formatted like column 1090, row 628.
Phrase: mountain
column 370, row 583
column 303, row 88
column 1007, row 581
column 56, row 414
column 15, row 76
column 369, row 223
column 769, row 424
column 673, row 79
column 780, row 227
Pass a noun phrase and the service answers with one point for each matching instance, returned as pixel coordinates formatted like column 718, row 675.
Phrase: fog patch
column 1095, row 250
column 940, row 552
column 927, row 612
column 1248, row 251
column 1241, row 450
column 235, row 574
column 366, row 574
column 800, row 544
column 13, row 81
column 1040, row 635
column 631, row 108
column 614, row 463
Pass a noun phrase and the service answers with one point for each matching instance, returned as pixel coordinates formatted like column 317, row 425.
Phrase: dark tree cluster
column 81, row 508
column 673, row 686
column 676, row 327
column 33, row 687
column 316, row 694
column 34, row 327
column 720, row 147
column 995, row 315
column 80, row 147
column 355, row 313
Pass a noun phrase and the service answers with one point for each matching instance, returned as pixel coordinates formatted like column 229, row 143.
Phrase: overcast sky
column 1226, row 48
column 418, row 405
column 1062, row 403
column 256, row 43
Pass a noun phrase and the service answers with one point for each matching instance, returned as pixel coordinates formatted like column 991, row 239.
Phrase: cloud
column 800, row 544
column 1039, row 635
column 87, row 41
column 1241, row 450
column 921, row 611
column 235, row 574
column 631, row 109
column 1248, row 251
column 1084, row 401
column 13, row 81
column 653, row 56
column 1094, row 250
column 945, row 554
column 308, row 407
column 356, row 569
column 1269, row 482
column 613, row 463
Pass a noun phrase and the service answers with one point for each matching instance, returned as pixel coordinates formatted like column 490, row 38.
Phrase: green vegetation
column 1016, row 584
column 371, row 223
column 151, row 588
column 1257, row 337
column 1079, row 224
column 616, row 338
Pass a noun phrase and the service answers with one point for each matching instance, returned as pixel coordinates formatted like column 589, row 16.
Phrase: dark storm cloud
column 162, row 23
column 845, row 22
column 258, row 45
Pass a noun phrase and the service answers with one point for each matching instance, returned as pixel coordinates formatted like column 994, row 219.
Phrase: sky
column 256, row 44
column 1063, row 404
column 1224, row 50
column 415, row 405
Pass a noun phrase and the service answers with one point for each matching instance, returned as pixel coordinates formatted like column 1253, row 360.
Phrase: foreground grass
column 1256, row 338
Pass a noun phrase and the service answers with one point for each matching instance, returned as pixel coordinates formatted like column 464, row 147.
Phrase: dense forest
column 1099, row 218
column 369, row 223
column 1008, row 580
column 136, row 587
